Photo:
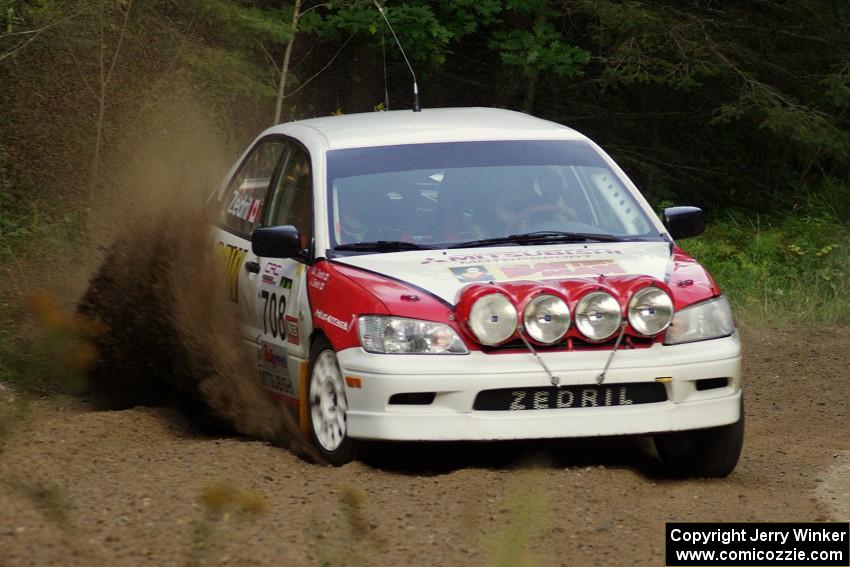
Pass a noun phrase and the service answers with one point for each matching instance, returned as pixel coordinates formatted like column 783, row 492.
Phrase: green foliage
column 430, row 30
column 417, row 24
column 778, row 270
column 643, row 43
column 56, row 354
column 540, row 48
column 811, row 132
column 837, row 87
column 25, row 226
column 243, row 24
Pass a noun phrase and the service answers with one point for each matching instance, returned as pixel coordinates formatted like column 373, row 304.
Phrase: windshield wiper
column 543, row 236
column 382, row 246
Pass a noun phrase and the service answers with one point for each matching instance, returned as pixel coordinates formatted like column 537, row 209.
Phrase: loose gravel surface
column 82, row 487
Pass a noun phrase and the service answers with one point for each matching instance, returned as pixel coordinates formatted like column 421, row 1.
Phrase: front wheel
column 328, row 406
column 712, row 452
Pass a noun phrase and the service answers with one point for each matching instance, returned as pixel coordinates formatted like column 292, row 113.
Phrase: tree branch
column 322, row 70
column 34, row 33
column 120, row 41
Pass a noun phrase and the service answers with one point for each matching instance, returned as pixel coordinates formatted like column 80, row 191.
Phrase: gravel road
column 81, row 487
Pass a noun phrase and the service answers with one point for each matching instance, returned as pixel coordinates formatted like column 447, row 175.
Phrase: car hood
column 444, row 273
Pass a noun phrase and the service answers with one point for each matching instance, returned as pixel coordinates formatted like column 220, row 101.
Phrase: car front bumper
column 457, row 379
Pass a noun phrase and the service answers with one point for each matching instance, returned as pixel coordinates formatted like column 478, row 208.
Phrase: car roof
column 430, row 125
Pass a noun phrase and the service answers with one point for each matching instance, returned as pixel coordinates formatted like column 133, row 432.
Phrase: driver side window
column 292, row 199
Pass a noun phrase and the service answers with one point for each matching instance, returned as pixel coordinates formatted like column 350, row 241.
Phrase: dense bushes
column 789, row 268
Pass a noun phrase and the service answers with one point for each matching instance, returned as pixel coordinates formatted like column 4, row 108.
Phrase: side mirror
column 276, row 242
column 682, row 222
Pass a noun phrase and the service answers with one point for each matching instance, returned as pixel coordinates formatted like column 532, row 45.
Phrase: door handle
column 252, row 267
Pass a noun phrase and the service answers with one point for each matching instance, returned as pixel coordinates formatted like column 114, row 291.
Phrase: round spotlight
column 650, row 310
column 493, row 319
column 546, row 319
column 598, row 315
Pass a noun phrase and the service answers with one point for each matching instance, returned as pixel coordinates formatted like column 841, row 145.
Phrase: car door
column 281, row 304
column 241, row 206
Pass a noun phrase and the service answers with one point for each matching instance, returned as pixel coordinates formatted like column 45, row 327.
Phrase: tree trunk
column 105, row 76
column 530, row 92
column 101, row 107
column 284, row 68
column 531, row 79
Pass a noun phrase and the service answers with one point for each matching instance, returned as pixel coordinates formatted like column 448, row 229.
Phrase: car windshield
column 448, row 194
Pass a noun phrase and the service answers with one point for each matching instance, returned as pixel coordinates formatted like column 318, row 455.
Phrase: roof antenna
column 386, row 84
column 416, row 107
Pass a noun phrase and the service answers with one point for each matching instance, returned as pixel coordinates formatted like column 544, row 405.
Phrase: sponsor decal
column 320, row 274
column 491, row 257
column 537, row 270
column 587, row 398
column 277, row 382
column 270, row 357
column 273, row 312
column 330, row 319
column 472, row 274
column 319, row 279
column 271, row 272
column 273, row 369
column 244, row 207
column 543, row 270
column 231, row 258
column 285, row 283
column 293, row 330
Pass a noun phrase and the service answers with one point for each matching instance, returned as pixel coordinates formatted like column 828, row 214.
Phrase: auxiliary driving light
column 650, row 311
column 546, row 319
column 493, row 319
column 598, row 315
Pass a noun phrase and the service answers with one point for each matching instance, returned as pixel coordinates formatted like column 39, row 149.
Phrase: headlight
column 397, row 335
column 598, row 315
column 650, row 311
column 710, row 319
column 546, row 318
column 492, row 319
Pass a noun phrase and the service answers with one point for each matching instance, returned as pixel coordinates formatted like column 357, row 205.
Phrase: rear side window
column 292, row 202
column 242, row 202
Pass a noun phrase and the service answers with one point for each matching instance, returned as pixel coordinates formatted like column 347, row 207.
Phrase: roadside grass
column 511, row 546
column 221, row 503
column 784, row 271
column 56, row 353
column 50, row 499
column 38, row 243
column 354, row 539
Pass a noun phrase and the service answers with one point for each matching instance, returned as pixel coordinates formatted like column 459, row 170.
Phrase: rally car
column 474, row 274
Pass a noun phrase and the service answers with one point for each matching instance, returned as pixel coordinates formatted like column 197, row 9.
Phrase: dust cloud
column 172, row 336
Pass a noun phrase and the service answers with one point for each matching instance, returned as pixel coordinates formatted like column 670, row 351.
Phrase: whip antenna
column 416, row 107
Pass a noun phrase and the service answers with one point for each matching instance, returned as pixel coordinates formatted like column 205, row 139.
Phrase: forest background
column 740, row 107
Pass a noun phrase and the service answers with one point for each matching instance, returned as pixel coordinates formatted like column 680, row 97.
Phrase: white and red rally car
column 474, row 274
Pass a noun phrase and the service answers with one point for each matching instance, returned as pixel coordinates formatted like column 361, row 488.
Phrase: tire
column 712, row 452
column 327, row 406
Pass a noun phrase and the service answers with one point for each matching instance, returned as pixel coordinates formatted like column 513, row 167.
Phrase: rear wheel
column 709, row 452
column 328, row 406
